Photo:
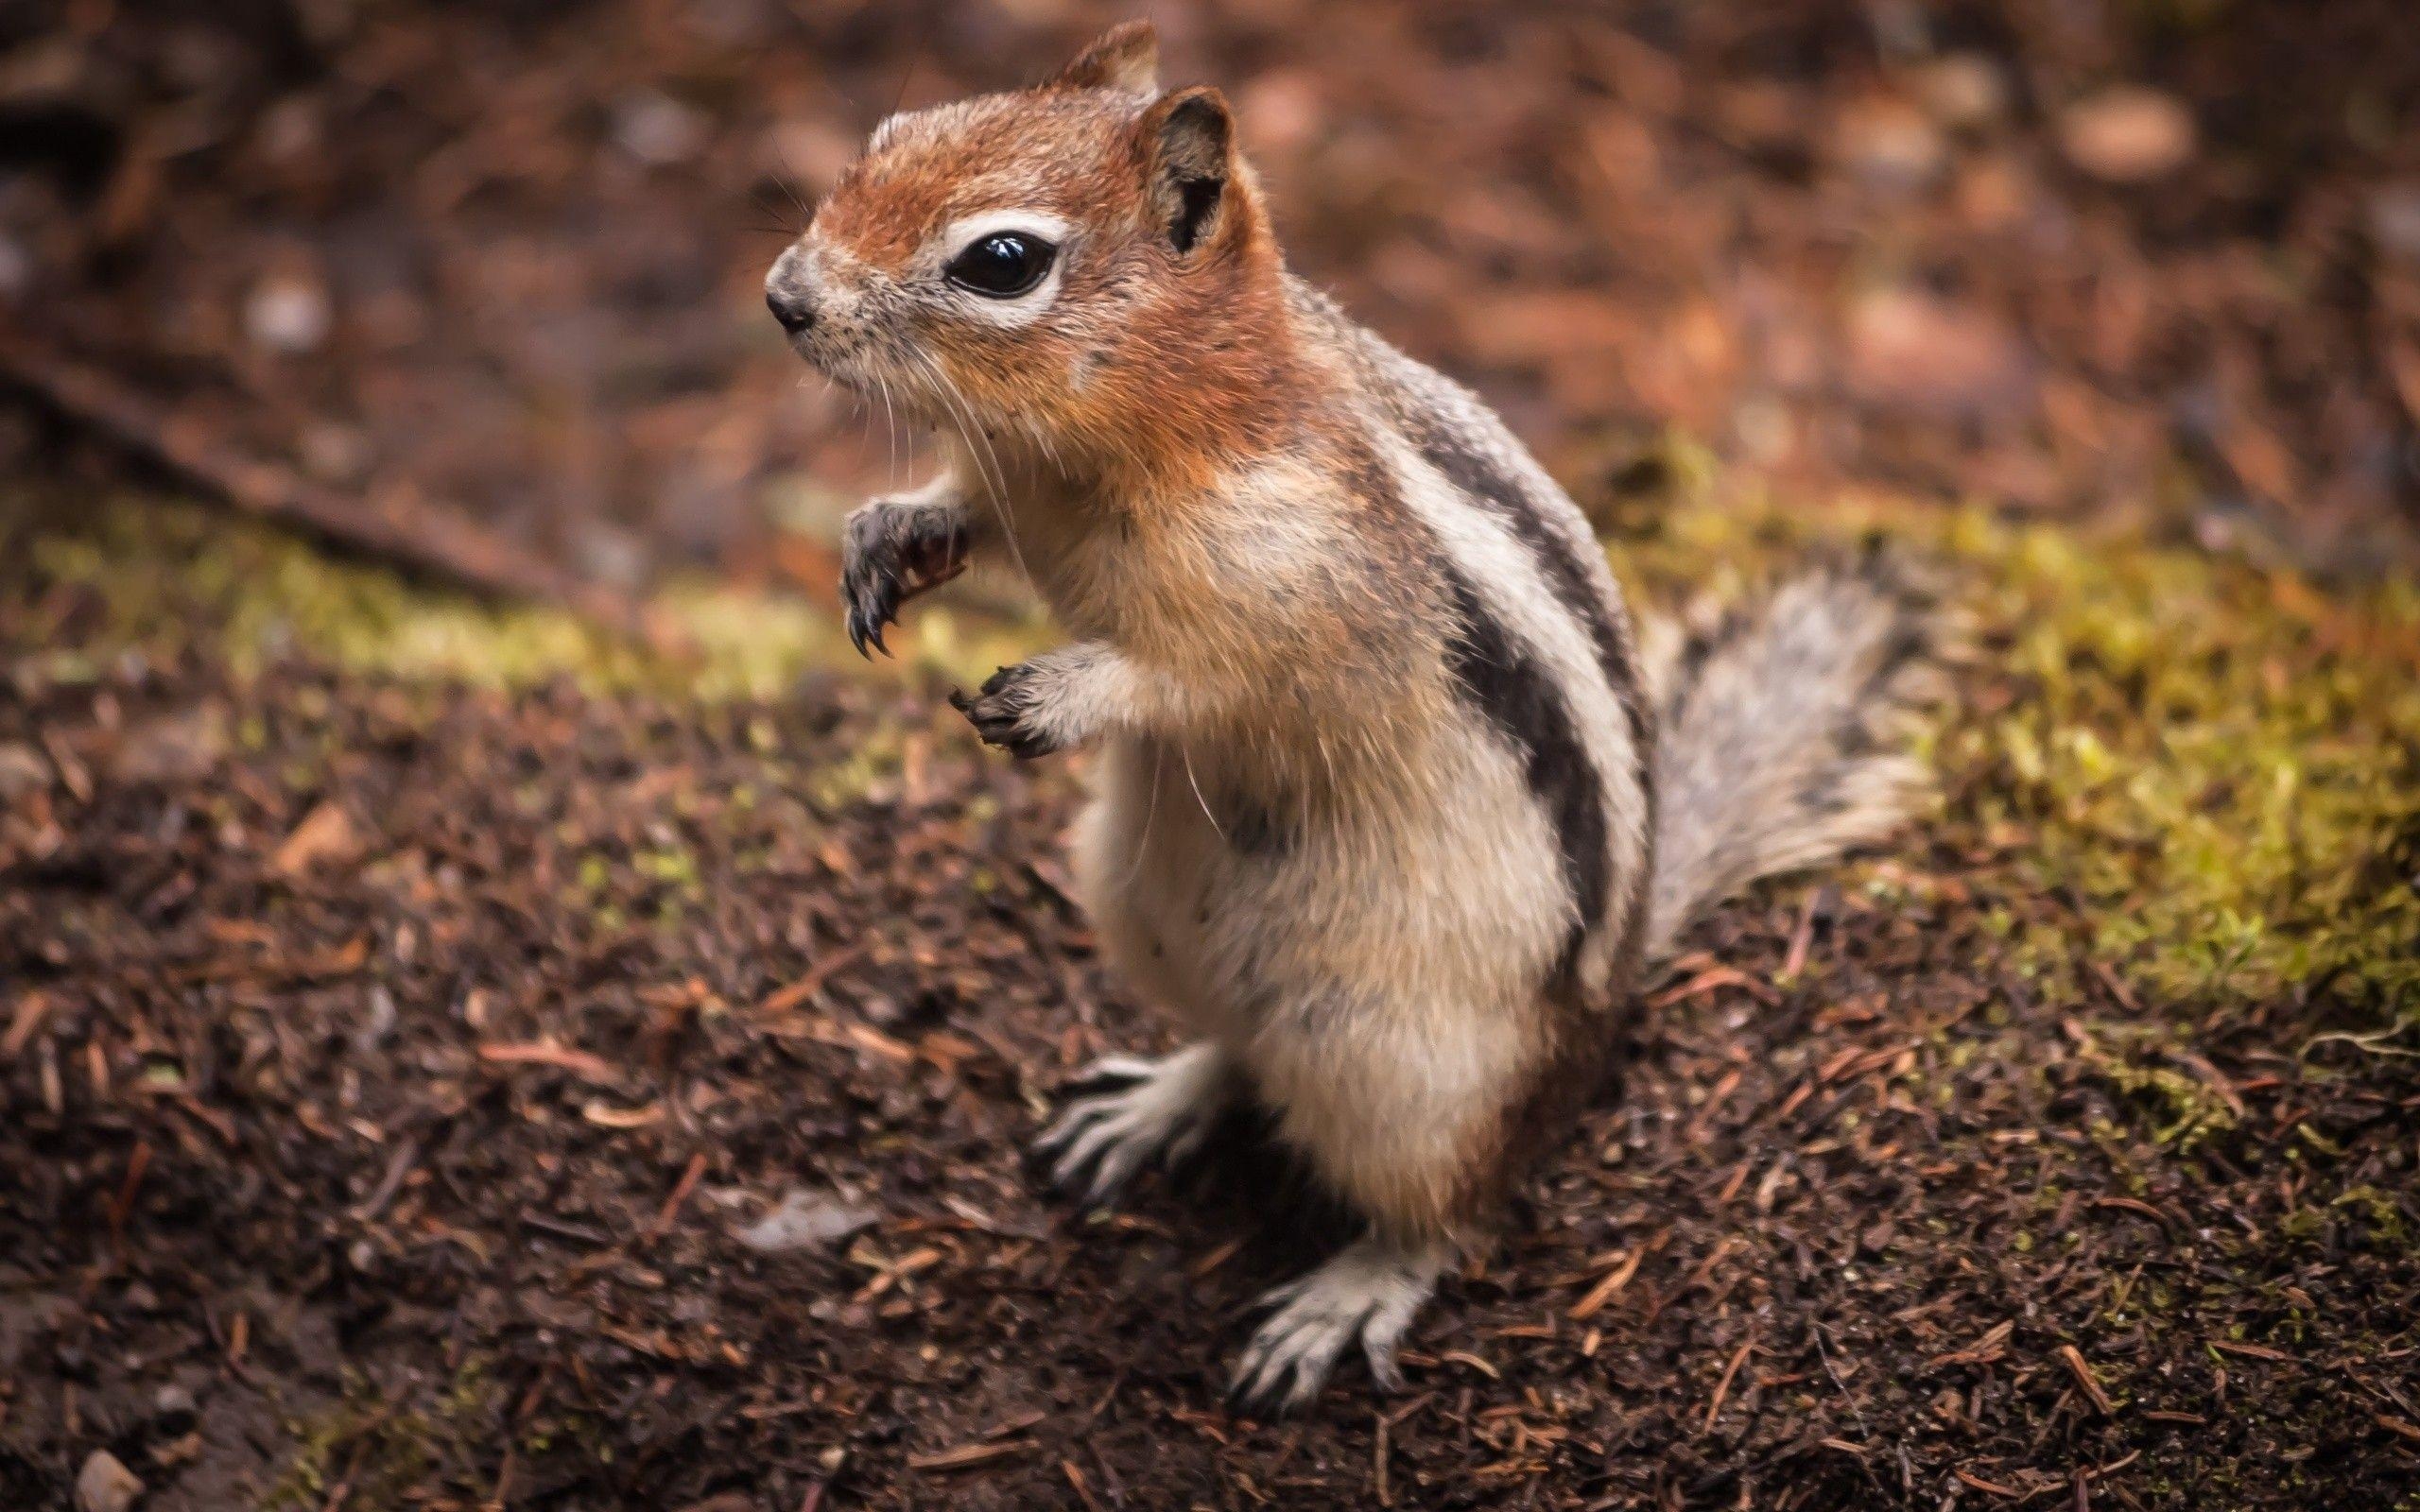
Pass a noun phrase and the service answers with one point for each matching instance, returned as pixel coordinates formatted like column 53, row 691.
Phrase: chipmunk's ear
column 1126, row 57
column 1189, row 138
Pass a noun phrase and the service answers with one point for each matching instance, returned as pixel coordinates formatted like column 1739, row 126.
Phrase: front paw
column 1012, row 710
column 893, row 550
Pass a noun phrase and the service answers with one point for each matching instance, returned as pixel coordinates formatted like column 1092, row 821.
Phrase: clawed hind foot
column 1125, row 1111
column 1367, row 1296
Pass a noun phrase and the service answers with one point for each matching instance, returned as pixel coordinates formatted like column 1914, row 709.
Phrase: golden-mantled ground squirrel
column 1391, row 809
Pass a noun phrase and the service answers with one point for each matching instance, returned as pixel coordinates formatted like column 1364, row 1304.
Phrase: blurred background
column 458, row 1057
column 486, row 277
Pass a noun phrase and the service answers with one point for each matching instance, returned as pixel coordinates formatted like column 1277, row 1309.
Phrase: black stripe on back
column 1566, row 575
column 1506, row 685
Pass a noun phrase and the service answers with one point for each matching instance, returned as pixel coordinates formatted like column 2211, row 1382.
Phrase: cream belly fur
column 1374, row 978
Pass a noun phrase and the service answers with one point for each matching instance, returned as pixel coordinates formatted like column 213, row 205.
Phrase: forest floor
column 446, row 1061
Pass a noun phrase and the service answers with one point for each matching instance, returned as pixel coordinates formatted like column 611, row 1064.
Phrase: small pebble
column 2127, row 136
column 105, row 1485
column 803, row 1220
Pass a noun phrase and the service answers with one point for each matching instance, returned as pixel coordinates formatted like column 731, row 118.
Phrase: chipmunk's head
column 1058, row 263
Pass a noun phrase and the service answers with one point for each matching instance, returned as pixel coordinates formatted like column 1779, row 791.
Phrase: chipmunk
column 1390, row 808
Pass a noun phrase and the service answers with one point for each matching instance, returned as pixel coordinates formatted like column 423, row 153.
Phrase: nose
column 789, row 307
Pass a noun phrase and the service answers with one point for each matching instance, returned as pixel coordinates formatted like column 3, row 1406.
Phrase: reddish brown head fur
column 1156, row 346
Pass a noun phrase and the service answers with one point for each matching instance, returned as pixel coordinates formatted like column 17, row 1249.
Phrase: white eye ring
column 1010, row 309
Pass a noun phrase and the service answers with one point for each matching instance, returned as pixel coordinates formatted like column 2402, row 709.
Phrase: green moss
column 2207, row 776
column 672, row 868
column 382, row 1455
column 158, row 577
column 2185, row 1109
column 2380, row 1212
column 2220, row 765
column 871, row 762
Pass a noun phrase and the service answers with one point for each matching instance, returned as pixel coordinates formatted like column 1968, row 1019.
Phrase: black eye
column 1003, row 264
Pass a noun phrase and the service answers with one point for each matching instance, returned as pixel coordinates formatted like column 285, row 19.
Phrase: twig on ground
column 680, row 1189
column 396, row 528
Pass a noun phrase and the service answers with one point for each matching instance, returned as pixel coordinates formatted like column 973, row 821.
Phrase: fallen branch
column 395, row 529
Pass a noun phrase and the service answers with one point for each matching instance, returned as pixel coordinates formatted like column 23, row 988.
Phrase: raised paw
column 892, row 550
column 1008, row 712
column 1123, row 1112
column 1367, row 1295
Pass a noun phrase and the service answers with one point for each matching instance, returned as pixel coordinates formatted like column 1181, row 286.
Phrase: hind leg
column 1400, row 1104
column 1124, row 1112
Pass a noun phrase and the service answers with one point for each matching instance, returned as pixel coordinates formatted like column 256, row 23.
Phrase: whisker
column 890, row 427
column 1196, row 783
column 772, row 212
column 1150, row 814
column 805, row 210
column 979, row 451
column 864, row 414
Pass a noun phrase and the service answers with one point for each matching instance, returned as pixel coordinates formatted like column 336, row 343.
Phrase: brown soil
column 390, row 1073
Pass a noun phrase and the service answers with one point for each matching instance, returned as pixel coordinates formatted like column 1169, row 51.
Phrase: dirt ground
column 397, row 1080
column 422, row 1090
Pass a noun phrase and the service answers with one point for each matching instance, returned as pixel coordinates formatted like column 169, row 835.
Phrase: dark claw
column 998, row 715
column 888, row 558
column 874, row 602
column 1080, row 1175
column 1102, row 1084
column 1244, row 1402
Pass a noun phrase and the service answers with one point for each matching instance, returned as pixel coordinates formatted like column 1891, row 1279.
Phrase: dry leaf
column 326, row 833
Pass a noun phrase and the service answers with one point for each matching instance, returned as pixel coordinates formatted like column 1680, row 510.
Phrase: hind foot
column 1367, row 1295
column 1123, row 1111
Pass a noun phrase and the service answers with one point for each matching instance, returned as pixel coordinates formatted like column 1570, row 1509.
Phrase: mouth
column 829, row 365
column 806, row 344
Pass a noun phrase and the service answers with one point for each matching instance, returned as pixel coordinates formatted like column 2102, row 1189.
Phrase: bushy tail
column 1785, row 723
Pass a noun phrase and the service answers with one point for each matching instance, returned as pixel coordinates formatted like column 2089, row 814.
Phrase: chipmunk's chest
column 1106, row 585
column 1149, row 584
